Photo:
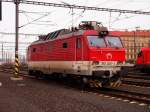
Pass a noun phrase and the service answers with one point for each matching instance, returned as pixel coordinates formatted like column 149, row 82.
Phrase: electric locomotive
column 87, row 53
column 143, row 60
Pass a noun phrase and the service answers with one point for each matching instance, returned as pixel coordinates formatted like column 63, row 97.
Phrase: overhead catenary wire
column 14, row 42
column 10, row 33
column 35, row 20
column 26, row 16
column 66, row 5
column 109, row 22
column 43, row 24
column 80, row 7
column 23, row 11
column 126, row 17
column 79, row 16
column 72, row 13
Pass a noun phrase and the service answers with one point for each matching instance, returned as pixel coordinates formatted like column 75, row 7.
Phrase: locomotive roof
column 59, row 34
column 62, row 35
column 86, row 28
column 54, row 35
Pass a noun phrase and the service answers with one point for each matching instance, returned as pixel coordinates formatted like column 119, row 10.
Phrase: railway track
column 124, row 95
column 133, row 97
column 22, row 73
column 137, row 79
column 136, row 83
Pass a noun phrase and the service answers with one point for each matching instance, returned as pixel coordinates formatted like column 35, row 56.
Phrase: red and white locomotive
column 88, row 53
column 143, row 60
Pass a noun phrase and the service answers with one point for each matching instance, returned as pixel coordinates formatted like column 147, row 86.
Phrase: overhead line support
column 16, row 68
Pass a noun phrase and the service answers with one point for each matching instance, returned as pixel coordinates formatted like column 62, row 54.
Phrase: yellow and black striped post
column 16, row 74
column 16, row 67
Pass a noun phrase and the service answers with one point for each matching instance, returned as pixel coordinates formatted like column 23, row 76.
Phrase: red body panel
column 53, row 51
column 107, row 54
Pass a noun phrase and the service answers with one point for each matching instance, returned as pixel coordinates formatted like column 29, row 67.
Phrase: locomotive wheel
column 39, row 74
column 82, row 82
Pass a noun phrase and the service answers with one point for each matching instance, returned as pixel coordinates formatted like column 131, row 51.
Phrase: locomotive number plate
column 108, row 63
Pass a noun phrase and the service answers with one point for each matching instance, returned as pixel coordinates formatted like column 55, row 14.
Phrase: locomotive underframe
column 74, row 67
column 104, row 74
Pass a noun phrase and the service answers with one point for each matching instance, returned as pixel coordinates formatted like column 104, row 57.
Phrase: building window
column 65, row 45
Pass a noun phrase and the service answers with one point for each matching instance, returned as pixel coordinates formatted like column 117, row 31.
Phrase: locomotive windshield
column 95, row 41
column 113, row 42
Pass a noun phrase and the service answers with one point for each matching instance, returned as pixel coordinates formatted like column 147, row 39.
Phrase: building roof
column 144, row 33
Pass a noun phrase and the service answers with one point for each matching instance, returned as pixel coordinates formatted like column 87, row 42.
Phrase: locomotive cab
column 107, row 56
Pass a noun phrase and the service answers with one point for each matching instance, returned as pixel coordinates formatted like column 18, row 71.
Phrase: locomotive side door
column 79, row 49
column 81, row 67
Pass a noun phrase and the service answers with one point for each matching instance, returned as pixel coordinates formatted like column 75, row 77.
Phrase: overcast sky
column 57, row 18
column 60, row 17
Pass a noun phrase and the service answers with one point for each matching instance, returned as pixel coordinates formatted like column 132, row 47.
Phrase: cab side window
column 34, row 50
column 78, row 43
column 65, row 45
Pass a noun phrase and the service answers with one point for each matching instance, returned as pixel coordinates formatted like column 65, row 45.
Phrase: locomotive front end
column 107, row 57
column 107, row 61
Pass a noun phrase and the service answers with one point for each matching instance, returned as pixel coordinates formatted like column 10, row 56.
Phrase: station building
column 133, row 41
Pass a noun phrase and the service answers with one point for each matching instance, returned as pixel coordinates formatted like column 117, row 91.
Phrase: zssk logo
column 109, row 56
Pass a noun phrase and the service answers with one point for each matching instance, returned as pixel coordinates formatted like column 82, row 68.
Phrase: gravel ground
column 35, row 95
